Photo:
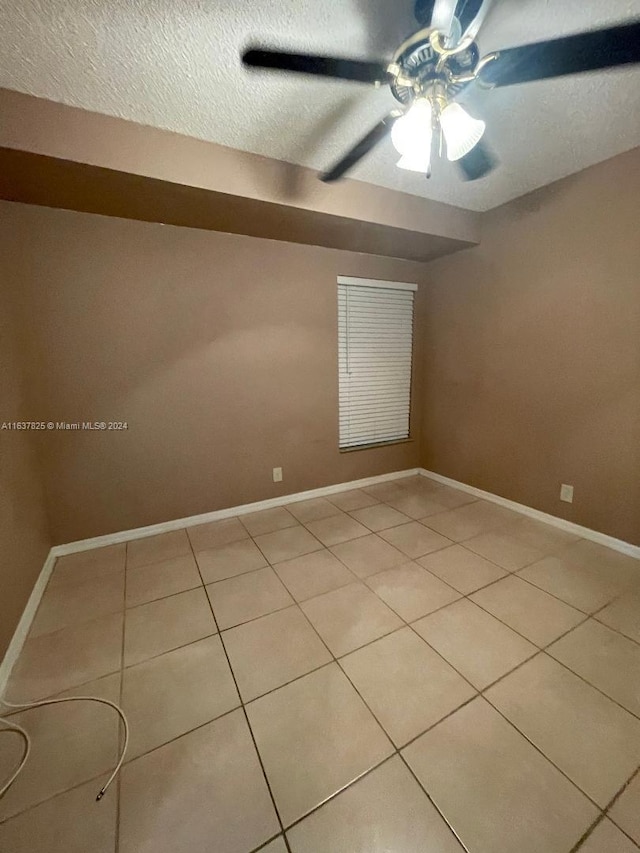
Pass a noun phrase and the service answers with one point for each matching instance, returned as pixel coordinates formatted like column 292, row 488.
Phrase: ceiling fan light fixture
column 411, row 136
column 415, row 164
column 461, row 131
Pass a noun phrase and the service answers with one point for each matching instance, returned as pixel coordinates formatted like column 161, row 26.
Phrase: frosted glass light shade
column 411, row 136
column 415, row 164
column 461, row 131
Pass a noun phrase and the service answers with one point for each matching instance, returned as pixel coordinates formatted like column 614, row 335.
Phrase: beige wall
column 533, row 352
column 219, row 351
column 24, row 537
column 76, row 136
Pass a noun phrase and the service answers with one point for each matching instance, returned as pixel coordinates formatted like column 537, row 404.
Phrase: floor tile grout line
column 588, row 832
column 185, row 553
column 586, row 681
column 461, row 596
column 553, row 595
column 270, row 563
column 540, row 650
column 340, row 790
column 309, row 598
column 183, row 734
column 357, row 577
column 296, row 603
column 406, row 520
column 239, row 574
column 407, row 624
column 510, row 573
column 262, row 615
column 157, row 655
column 615, row 799
column 579, row 675
column 96, row 778
column 433, row 802
column 125, row 764
column 59, row 693
column 545, row 554
column 337, row 659
column 246, row 716
column 288, row 683
column 481, row 692
column 263, row 846
column 410, row 559
column 288, row 606
column 268, row 510
column 620, row 792
column 365, row 580
column 605, row 815
column 396, row 749
column 297, row 524
column 331, row 545
column 497, row 618
column 615, row 630
column 161, row 597
column 468, row 595
column 514, row 572
column 540, row 751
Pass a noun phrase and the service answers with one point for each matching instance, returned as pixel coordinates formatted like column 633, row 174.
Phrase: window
column 375, row 342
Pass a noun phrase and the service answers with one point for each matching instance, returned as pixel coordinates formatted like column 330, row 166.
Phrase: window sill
column 374, row 446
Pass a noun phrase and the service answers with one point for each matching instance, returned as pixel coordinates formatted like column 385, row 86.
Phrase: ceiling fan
column 431, row 68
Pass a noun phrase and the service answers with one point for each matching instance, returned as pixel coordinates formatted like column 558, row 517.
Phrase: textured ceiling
column 174, row 64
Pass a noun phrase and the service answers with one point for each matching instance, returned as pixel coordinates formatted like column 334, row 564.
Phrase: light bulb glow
column 415, row 164
column 411, row 136
column 461, row 131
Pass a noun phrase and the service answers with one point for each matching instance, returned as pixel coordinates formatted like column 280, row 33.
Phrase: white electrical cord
column 10, row 726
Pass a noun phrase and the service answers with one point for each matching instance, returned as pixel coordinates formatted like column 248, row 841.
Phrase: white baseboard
column 20, row 634
column 563, row 524
column 216, row 515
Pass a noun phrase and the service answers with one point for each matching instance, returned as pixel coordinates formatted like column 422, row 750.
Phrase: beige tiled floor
column 395, row 669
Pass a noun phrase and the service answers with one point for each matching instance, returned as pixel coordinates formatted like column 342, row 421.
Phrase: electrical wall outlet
column 277, row 475
column 566, row 493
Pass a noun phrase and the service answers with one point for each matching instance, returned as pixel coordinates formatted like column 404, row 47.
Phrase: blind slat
column 375, row 342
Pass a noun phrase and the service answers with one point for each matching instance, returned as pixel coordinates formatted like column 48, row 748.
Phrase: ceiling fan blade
column 360, row 149
column 478, row 162
column 471, row 14
column 589, row 51
column 359, row 70
column 443, row 15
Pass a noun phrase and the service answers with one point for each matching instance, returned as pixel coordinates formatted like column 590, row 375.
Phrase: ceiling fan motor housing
column 419, row 61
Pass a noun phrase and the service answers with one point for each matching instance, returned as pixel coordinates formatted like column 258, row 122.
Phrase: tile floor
column 398, row 669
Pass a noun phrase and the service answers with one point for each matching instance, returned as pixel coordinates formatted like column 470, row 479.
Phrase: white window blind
column 375, row 343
